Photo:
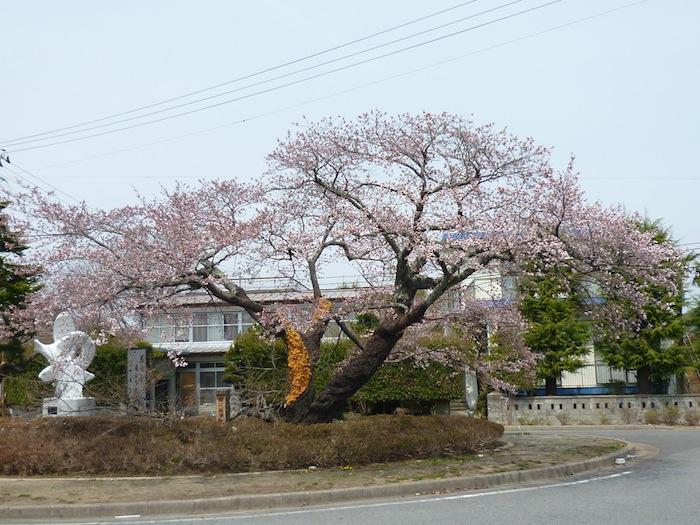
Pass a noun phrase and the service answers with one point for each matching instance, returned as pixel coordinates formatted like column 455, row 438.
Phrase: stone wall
column 589, row 410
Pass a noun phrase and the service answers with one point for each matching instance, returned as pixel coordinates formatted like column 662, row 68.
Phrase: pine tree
column 556, row 330
column 656, row 348
column 17, row 282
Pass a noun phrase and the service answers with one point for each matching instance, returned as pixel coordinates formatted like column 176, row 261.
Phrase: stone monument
column 69, row 355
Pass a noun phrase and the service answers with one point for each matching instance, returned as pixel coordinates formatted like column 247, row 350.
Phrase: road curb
column 303, row 499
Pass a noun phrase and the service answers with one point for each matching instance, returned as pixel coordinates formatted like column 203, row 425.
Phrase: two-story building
column 593, row 378
column 201, row 330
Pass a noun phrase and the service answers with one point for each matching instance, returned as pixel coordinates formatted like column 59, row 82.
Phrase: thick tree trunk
column 644, row 380
column 550, row 386
column 297, row 411
column 330, row 402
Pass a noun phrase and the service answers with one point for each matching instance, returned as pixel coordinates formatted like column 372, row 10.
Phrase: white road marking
column 127, row 516
column 203, row 519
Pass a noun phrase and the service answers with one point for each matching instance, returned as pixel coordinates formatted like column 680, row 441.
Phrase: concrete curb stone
column 303, row 499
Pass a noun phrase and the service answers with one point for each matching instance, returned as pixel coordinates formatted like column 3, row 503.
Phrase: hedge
column 148, row 446
column 257, row 365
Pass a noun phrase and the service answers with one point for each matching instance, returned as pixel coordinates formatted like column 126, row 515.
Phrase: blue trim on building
column 599, row 390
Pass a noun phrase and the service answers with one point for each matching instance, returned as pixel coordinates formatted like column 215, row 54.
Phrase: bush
column 564, row 418
column 651, row 417
column 109, row 367
column 692, row 417
column 670, row 415
column 257, row 367
column 629, row 415
column 404, row 381
column 145, row 446
column 25, row 389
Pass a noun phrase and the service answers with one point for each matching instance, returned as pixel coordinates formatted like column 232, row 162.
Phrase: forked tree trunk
column 330, row 402
column 357, row 370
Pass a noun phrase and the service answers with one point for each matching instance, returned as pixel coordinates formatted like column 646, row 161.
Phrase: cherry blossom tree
column 416, row 204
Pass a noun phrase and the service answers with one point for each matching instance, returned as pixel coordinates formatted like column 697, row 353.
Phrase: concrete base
column 84, row 406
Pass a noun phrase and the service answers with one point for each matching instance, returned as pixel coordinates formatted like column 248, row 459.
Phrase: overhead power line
column 27, row 173
column 260, row 82
column 295, row 82
column 249, row 75
column 348, row 90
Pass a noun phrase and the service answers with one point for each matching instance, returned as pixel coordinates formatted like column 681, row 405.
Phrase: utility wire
column 349, row 90
column 36, row 177
column 268, row 90
column 250, row 75
column 261, row 82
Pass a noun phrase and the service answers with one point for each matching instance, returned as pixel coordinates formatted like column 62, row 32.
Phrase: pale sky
column 620, row 91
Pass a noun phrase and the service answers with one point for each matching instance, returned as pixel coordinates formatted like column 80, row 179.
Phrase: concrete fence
column 591, row 410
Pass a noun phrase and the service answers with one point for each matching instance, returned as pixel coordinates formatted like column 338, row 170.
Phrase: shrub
column 629, row 415
column 109, row 367
column 670, row 415
column 146, row 446
column 258, row 368
column 537, row 420
column 692, row 417
column 25, row 389
column 564, row 418
column 404, row 381
column 651, row 417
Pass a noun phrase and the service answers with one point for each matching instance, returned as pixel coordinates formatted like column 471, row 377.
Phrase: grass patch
column 143, row 446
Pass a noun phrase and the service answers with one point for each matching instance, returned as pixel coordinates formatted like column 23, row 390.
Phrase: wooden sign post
column 223, row 406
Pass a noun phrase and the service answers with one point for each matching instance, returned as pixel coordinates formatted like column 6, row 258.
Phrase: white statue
column 69, row 355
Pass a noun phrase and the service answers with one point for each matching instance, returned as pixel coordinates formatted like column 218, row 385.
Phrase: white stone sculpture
column 69, row 356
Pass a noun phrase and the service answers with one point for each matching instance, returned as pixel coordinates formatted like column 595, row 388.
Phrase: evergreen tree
column 656, row 349
column 555, row 328
column 17, row 282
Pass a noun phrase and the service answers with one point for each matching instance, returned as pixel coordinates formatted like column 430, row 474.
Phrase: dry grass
column 143, row 446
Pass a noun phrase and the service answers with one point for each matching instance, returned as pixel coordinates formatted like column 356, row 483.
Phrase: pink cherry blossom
column 415, row 204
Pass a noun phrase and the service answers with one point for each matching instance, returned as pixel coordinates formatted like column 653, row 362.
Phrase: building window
column 199, row 327
column 231, row 326
column 211, row 380
column 199, row 383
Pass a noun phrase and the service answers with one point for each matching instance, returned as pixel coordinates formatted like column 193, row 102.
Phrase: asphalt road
column 660, row 490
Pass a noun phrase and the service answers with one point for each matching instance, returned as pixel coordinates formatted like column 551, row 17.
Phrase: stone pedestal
column 84, row 406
